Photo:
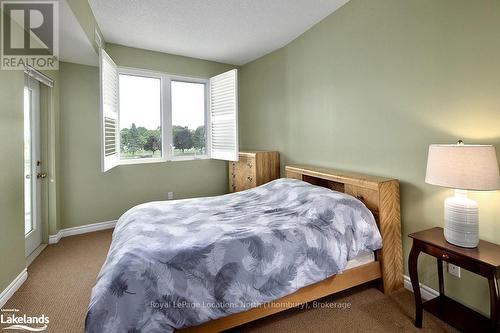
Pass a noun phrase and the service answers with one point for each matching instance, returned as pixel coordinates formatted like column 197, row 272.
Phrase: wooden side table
column 483, row 260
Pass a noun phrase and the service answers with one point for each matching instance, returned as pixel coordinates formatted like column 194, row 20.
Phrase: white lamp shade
column 466, row 167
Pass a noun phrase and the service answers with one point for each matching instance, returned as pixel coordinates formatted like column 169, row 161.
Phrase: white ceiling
column 228, row 31
column 74, row 46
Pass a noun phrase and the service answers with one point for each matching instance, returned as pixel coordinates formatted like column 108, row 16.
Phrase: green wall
column 89, row 196
column 370, row 87
column 12, row 241
column 262, row 103
column 11, row 178
column 166, row 63
column 85, row 17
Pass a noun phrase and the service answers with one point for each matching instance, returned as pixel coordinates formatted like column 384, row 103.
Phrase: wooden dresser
column 254, row 168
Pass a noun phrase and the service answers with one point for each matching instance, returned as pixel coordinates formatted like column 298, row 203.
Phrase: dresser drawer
column 452, row 258
column 241, row 182
column 245, row 164
column 253, row 168
column 242, row 174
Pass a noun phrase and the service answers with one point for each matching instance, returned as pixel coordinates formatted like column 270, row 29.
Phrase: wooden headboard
column 381, row 196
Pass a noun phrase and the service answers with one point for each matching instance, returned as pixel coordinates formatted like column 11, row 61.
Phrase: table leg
column 412, row 265
column 492, row 280
column 440, row 276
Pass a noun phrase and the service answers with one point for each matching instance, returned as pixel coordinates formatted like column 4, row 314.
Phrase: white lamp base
column 461, row 223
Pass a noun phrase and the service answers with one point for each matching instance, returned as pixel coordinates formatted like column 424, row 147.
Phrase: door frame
column 34, row 238
column 49, row 128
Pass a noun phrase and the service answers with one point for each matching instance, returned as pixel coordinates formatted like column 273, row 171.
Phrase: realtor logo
column 30, row 35
column 12, row 320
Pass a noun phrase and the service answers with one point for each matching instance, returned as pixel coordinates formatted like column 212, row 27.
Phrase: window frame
column 166, row 116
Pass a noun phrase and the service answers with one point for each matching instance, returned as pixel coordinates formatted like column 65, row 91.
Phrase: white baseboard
column 426, row 292
column 12, row 287
column 53, row 239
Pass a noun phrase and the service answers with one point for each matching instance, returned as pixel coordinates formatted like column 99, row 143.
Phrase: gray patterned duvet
column 174, row 264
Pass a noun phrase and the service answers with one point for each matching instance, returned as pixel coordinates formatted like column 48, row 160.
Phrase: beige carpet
column 61, row 278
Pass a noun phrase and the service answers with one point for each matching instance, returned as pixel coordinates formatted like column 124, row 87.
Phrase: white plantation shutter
column 224, row 116
column 109, row 112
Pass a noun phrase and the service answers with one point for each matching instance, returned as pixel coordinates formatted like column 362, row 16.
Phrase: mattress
column 181, row 263
column 360, row 259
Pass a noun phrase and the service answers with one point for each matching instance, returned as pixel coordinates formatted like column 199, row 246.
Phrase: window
column 140, row 117
column 152, row 117
column 188, row 119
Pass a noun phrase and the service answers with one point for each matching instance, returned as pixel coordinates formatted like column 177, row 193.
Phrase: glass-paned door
column 32, row 176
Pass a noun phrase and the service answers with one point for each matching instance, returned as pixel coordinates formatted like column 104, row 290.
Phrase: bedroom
column 359, row 86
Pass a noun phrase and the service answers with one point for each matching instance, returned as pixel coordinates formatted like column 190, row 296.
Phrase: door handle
column 28, row 176
column 41, row 175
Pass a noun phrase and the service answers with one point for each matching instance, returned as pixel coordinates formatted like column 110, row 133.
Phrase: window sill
column 133, row 161
column 189, row 158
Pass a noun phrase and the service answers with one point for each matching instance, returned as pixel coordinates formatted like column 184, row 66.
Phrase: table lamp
column 462, row 168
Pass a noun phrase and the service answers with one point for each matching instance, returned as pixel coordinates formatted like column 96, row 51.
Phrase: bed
column 209, row 264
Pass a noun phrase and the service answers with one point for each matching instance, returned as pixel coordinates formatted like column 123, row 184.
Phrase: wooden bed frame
column 381, row 196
